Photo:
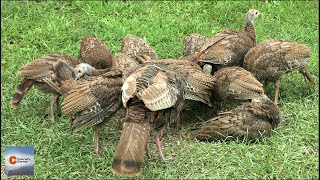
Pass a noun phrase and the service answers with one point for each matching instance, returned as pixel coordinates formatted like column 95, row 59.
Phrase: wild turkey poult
column 199, row 84
column 271, row 59
column 95, row 52
column 92, row 100
column 34, row 73
column 153, row 96
column 135, row 47
column 228, row 47
column 249, row 120
column 191, row 45
column 238, row 83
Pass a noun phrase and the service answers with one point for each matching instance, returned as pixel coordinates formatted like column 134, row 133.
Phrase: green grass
column 30, row 30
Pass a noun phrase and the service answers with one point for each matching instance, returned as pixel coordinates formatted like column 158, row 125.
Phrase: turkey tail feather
column 20, row 92
column 130, row 151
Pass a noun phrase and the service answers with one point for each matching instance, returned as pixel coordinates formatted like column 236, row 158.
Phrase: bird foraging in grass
column 271, row 59
column 35, row 73
column 91, row 100
column 153, row 96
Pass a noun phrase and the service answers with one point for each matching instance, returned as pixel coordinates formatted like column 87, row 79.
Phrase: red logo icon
column 12, row 160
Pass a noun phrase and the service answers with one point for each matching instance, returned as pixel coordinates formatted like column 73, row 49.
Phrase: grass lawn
column 30, row 30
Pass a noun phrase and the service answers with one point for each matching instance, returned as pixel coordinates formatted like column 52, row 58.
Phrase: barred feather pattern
column 153, row 95
column 135, row 47
column 228, row 47
column 96, row 53
column 249, row 120
column 271, row 59
column 237, row 83
column 35, row 73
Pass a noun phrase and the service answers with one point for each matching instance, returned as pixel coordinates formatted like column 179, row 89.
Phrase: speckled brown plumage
column 93, row 103
column 199, row 85
column 96, row 53
column 134, row 47
column 123, row 62
column 34, row 73
column 271, row 59
column 249, row 120
column 193, row 43
column 92, row 100
column 149, row 90
column 228, row 47
column 238, row 83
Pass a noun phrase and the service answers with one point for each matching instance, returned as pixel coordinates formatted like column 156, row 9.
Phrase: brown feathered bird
column 248, row 121
column 271, row 59
column 238, row 83
column 199, row 85
column 228, row 47
column 96, row 53
column 153, row 95
column 34, row 73
column 135, row 47
column 193, row 43
column 92, row 100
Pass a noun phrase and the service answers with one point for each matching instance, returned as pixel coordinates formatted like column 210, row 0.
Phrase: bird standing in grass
column 153, row 96
column 228, row 47
column 34, row 73
column 91, row 100
column 271, row 59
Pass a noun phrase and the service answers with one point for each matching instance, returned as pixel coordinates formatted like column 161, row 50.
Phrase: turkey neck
column 250, row 30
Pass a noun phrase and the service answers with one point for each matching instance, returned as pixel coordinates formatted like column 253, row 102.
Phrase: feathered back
column 134, row 47
column 193, row 43
column 156, row 85
column 95, row 52
column 199, row 84
column 238, row 83
column 249, row 120
column 42, row 68
column 123, row 62
column 228, row 47
column 90, row 102
column 271, row 59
